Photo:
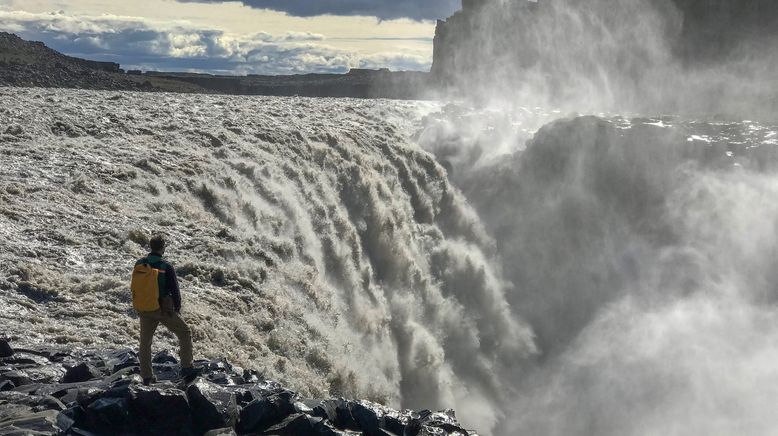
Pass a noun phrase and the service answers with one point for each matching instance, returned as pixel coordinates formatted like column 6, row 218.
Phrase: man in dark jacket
column 167, row 314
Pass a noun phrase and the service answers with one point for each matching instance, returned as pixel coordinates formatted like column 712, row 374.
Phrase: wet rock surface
column 45, row 390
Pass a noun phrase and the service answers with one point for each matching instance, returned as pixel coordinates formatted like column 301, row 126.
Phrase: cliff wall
column 598, row 49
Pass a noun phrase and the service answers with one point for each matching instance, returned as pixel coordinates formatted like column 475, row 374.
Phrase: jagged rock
column 326, row 409
column 159, row 409
column 86, row 396
column 74, row 416
column 121, row 388
column 67, row 396
column 166, row 371
column 48, row 402
column 224, row 379
column 121, row 359
column 364, row 417
column 5, row 349
column 426, row 422
column 212, row 406
column 367, row 418
column 413, row 428
column 32, row 403
column 262, row 413
column 108, row 415
column 22, row 360
column 40, row 423
column 80, row 373
column 251, row 376
column 119, row 404
column 50, row 353
column 66, row 390
column 65, row 420
column 44, row 374
column 221, row 432
column 6, row 385
column 123, row 374
column 164, row 356
column 338, row 412
column 30, row 388
column 19, row 378
column 301, row 424
column 393, row 424
column 216, row 365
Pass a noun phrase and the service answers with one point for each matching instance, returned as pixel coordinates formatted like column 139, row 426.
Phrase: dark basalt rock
column 164, row 356
column 6, row 385
column 212, row 406
column 251, row 376
column 337, row 411
column 301, row 424
column 81, row 373
column 118, row 403
column 86, row 396
column 39, row 423
column 22, row 361
column 50, row 353
column 393, row 424
column 166, row 371
column 160, row 410
column 18, row 378
column 5, row 349
column 221, row 432
column 121, row 359
column 262, row 413
column 367, row 418
column 107, row 415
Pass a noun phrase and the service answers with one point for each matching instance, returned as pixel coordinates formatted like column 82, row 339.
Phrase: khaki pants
column 148, row 325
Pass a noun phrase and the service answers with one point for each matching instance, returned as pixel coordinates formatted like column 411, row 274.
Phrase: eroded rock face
column 101, row 393
column 607, row 50
column 698, row 29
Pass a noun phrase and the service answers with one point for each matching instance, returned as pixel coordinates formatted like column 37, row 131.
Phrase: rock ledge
column 46, row 390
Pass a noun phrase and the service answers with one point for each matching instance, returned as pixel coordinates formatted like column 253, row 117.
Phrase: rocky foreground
column 55, row 390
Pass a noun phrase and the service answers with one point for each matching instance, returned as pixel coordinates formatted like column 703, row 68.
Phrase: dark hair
column 157, row 242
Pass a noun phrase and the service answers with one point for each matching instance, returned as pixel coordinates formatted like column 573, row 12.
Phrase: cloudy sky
column 235, row 37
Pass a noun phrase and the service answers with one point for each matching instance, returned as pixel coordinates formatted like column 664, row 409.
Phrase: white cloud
column 137, row 42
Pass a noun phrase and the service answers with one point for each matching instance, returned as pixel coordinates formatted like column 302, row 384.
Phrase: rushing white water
column 608, row 276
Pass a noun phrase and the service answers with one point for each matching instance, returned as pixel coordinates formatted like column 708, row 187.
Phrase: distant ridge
column 25, row 63
column 32, row 64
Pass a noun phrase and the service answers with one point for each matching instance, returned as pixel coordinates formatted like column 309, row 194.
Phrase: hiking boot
column 149, row 381
column 190, row 373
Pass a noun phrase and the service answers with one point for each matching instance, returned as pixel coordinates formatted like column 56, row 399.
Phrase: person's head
column 157, row 244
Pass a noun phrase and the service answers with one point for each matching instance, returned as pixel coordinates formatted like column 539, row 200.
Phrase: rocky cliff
column 715, row 28
column 600, row 50
column 696, row 28
column 26, row 63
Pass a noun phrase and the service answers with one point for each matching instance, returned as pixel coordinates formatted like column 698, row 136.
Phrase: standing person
column 159, row 302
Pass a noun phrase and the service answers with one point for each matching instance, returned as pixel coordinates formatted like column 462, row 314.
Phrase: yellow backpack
column 145, row 288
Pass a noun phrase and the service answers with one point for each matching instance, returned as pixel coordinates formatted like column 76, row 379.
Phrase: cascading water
column 313, row 240
column 610, row 274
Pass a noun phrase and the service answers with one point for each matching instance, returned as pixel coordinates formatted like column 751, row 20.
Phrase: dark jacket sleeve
column 172, row 287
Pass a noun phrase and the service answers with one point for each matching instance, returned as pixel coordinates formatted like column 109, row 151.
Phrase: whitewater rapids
column 603, row 276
